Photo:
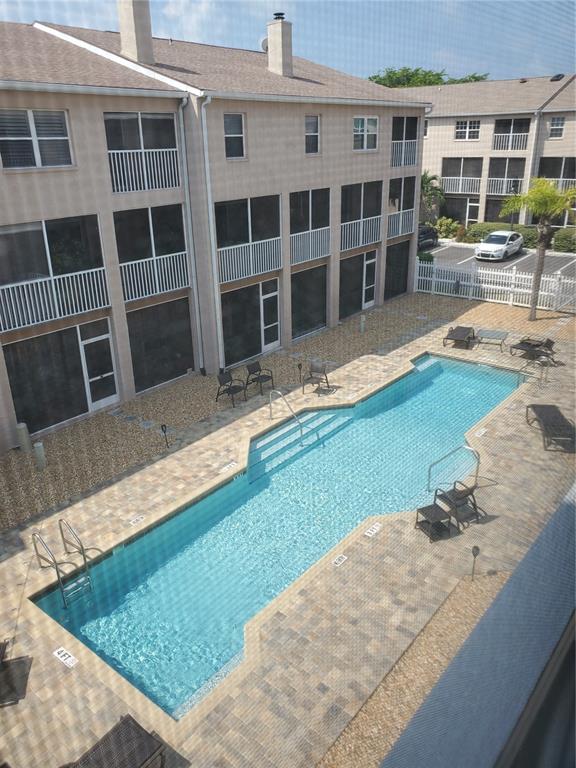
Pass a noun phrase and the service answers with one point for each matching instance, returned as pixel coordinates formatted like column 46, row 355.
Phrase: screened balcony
column 455, row 185
column 401, row 197
column 401, row 223
column 505, row 176
column 360, row 215
column 309, row 225
column 404, row 141
column 511, row 135
column 461, row 175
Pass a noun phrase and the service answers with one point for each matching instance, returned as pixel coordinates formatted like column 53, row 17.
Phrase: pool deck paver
column 316, row 652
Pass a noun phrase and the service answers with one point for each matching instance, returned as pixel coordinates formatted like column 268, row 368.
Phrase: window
column 312, row 134
column 250, row 321
column 365, row 133
column 247, row 221
column 404, row 128
column 234, row 135
column 34, row 138
column 396, row 276
column 518, row 125
column 361, row 201
column 466, row 130
column 556, row 127
column 137, row 130
column 160, row 343
column 357, row 283
column 466, row 167
column 309, row 210
column 506, row 168
column 42, row 249
column 401, row 194
column 425, row 129
column 147, row 232
column 308, row 301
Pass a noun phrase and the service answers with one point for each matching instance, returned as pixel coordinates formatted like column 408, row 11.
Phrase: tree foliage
column 409, row 77
column 545, row 202
column 431, row 195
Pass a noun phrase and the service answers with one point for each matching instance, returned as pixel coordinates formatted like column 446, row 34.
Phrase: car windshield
column 499, row 239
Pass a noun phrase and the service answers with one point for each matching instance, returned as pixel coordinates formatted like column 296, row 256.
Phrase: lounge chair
column 126, row 745
column 461, row 333
column 534, row 348
column 316, row 375
column 460, row 503
column 556, row 428
column 434, row 521
column 229, row 386
column 259, row 375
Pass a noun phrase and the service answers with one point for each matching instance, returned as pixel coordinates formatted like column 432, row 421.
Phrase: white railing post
column 433, row 284
column 512, row 287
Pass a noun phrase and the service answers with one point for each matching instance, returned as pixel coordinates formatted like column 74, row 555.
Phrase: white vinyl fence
column 503, row 286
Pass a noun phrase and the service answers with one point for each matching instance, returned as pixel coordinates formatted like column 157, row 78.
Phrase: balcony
column 401, row 223
column 510, row 141
column 239, row 261
column 51, row 298
column 504, row 186
column 135, row 170
column 403, row 153
column 355, row 234
column 563, row 184
column 461, row 185
column 306, row 246
column 148, row 277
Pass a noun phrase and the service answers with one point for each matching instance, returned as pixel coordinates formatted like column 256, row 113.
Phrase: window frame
column 35, row 139
column 312, row 133
column 247, row 201
column 560, row 121
column 242, row 135
column 365, row 133
column 471, row 126
column 139, row 115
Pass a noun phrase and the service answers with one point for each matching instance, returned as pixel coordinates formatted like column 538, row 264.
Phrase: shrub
column 447, row 227
column 426, row 257
column 477, row 232
column 460, row 233
column 565, row 240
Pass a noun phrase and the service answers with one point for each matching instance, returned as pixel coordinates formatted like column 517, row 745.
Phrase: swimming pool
column 168, row 610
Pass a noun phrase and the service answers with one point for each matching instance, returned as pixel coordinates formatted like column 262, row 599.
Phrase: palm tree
column 431, row 195
column 545, row 202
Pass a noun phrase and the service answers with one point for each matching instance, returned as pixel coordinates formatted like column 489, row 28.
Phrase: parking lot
column 462, row 255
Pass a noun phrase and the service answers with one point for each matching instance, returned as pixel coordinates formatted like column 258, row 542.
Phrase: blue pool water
column 168, row 610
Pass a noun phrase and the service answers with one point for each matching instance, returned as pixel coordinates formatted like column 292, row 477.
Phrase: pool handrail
column 466, row 447
column 301, row 426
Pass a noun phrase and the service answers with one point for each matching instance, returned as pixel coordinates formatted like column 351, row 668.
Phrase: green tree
column 545, row 202
column 431, row 195
column 409, row 77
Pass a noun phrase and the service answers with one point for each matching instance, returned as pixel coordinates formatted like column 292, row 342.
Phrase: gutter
column 96, row 90
column 315, row 99
column 212, row 230
column 190, row 233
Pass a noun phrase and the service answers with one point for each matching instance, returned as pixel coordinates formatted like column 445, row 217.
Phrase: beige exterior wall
column 564, row 147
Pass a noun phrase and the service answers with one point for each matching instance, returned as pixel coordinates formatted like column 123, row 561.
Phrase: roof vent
column 264, row 44
column 556, row 78
column 523, row 80
column 279, row 16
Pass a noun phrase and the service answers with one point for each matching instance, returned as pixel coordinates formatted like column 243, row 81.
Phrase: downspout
column 212, row 230
column 190, row 233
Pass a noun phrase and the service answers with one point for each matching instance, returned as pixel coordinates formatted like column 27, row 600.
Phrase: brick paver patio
column 317, row 652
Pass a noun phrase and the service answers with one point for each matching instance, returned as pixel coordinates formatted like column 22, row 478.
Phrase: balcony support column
column 333, row 277
column 8, row 421
column 285, row 274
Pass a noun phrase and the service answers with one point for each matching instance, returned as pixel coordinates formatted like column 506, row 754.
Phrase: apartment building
column 168, row 207
column 486, row 141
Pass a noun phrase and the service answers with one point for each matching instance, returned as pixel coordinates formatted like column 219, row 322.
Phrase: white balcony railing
column 401, row 223
column 510, row 141
column 355, row 234
column 51, row 298
column 305, row 246
column 148, row 277
column 134, row 170
column 564, row 184
column 461, row 185
column 403, row 153
column 239, row 261
column 504, row 187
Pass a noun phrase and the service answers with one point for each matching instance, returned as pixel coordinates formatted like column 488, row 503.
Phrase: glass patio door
column 269, row 315
column 369, row 280
column 98, row 364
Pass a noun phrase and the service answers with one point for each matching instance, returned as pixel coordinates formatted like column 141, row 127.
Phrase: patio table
column 494, row 337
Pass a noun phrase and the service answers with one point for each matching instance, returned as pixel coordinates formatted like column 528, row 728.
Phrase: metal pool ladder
column 301, row 426
column 464, row 447
column 76, row 586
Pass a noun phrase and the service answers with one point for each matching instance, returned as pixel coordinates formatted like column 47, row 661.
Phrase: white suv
column 499, row 245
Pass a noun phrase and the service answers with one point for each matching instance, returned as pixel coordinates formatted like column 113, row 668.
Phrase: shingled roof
column 494, row 97
column 32, row 56
column 216, row 69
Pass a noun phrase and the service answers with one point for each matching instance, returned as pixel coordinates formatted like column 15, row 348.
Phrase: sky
column 506, row 39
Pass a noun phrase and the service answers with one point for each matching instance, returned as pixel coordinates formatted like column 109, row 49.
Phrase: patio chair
column 126, row 745
column 534, row 348
column 461, row 333
column 460, row 502
column 316, row 375
column 229, row 386
column 259, row 375
column 556, row 428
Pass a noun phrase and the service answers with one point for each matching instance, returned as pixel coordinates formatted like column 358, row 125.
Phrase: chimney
column 280, row 46
column 136, row 30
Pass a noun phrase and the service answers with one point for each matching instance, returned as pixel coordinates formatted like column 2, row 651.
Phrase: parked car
column 427, row 236
column 499, row 245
